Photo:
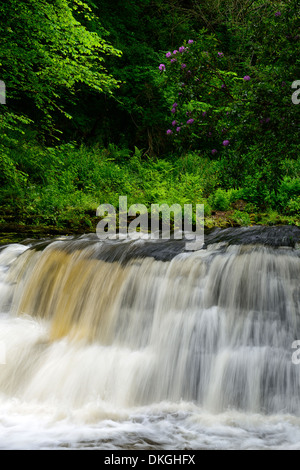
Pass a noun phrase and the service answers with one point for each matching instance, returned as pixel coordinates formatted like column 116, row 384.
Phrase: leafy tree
column 134, row 116
column 47, row 58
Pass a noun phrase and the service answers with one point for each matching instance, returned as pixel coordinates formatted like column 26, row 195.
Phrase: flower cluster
column 182, row 49
column 194, row 117
column 173, row 110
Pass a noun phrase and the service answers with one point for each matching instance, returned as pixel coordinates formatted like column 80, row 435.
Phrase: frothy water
column 141, row 345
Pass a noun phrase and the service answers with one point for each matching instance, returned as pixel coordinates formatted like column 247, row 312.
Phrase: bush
column 219, row 201
column 289, row 189
column 255, row 189
column 293, row 206
column 241, row 218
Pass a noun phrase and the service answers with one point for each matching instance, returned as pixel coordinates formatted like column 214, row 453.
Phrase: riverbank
column 57, row 191
column 15, row 232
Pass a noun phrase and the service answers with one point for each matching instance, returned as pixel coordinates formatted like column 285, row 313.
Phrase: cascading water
column 141, row 345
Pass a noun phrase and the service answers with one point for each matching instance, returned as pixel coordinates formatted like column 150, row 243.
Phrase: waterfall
column 101, row 329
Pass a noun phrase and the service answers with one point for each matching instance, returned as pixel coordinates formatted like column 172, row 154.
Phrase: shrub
column 219, row 201
column 242, row 218
column 289, row 189
column 293, row 206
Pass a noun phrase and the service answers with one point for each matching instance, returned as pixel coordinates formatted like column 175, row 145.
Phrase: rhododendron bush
column 236, row 105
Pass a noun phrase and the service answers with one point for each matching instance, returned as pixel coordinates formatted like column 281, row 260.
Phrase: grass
column 59, row 189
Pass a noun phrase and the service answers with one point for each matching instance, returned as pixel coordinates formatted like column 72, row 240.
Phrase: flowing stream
column 141, row 345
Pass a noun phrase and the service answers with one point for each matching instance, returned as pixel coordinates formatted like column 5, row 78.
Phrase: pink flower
column 169, row 132
column 214, row 151
column 247, row 78
column 162, row 67
column 168, row 54
column 226, row 142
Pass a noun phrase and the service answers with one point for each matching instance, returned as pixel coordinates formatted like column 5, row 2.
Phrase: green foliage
column 241, row 218
column 55, row 181
column 288, row 198
column 233, row 98
column 63, row 186
column 289, row 189
column 197, row 86
column 139, row 28
column 234, row 195
column 47, row 56
column 66, row 79
column 293, row 206
column 220, row 200
column 9, row 175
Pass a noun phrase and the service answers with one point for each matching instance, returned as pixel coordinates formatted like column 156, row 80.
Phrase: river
column 141, row 345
